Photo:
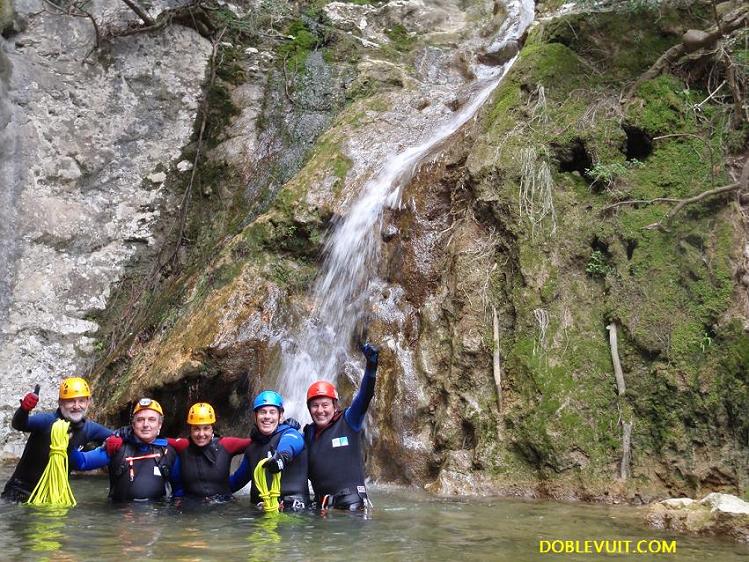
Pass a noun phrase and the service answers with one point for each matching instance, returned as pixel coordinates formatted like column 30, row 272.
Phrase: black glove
column 278, row 462
column 292, row 423
column 371, row 353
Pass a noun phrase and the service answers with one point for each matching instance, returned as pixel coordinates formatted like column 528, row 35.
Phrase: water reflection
column 43, row 531
column 404, row 526
column 264, row 540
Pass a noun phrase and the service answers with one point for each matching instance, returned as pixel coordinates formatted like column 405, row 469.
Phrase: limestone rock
column 76, row 142
column 726, row 503
column 715, row 514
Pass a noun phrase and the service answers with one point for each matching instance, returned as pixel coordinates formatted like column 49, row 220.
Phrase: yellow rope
column 269, row 496
column 53, row 487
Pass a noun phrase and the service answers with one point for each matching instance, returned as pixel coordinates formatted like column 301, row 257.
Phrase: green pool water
column 404, row 525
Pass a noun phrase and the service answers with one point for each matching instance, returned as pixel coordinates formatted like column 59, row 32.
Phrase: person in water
column 333, row 439
column 73, row 402
column 205, row 459
column 142, row 465
column 282, row 443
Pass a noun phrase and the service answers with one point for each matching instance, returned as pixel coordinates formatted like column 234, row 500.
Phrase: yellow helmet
column 201, row 414
column 148, row 404
column 74, row 387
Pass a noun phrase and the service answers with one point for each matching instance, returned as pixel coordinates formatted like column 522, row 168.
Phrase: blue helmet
column 268, row 398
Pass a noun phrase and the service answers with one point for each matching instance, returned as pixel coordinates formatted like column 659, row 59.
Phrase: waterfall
column 340, row 295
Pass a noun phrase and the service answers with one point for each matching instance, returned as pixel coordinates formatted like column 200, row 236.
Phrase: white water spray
column 341, row 294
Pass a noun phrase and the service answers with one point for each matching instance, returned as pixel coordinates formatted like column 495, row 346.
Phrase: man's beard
column 74, row 417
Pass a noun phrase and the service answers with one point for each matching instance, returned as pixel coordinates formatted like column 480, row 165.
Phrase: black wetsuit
column 336, row 463
column 294, row 486
column 36, row 452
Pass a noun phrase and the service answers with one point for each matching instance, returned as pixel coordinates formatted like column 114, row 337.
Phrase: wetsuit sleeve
column 291, row 442
column 89, row 460
column 175, row 478
column 241, row 476
column 234, row 445
column 23, row 422
column 354, row 414
column 179, row 444
column 98, row 432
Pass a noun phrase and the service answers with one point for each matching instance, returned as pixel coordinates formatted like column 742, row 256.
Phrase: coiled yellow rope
column 53, row 487
column 269, row 496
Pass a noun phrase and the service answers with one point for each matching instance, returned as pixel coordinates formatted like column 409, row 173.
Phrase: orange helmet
column 321, row 389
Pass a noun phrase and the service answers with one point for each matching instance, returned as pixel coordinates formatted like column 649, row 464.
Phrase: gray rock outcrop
column 79, row 132
column 715, row 514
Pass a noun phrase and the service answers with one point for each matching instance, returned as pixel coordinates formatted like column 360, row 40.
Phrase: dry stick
column 497, row 366
column 681, row 203
column 142, row 14
column 639, row 202
column 618, row 373
column 740, row 184
column 684, row 202
column 624, row 470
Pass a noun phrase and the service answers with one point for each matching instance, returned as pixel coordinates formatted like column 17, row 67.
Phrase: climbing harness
column 131, row 460
column 269, row 496
column 53, row 487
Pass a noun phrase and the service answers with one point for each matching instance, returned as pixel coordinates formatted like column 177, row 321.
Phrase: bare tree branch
column 138, row 9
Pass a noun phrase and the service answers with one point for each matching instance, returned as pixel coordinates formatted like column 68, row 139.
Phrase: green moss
column 553, row 66
column 731, row 388
column 664, row 106
column 304, row 41
column 400, row 38
column 220, row 111
column 501, row 114
column 635, row 47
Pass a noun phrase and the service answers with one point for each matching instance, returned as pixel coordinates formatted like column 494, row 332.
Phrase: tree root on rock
column 741, row 185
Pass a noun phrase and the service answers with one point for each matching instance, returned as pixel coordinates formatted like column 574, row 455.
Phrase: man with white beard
column 74, row 401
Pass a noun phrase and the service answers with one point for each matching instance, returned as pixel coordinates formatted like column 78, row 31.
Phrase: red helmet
column 321, row 389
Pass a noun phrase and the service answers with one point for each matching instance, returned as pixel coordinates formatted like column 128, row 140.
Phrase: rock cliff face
column 81, row 136
column 527, row 213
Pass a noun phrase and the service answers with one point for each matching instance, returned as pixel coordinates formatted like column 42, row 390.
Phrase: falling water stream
column 342, row 291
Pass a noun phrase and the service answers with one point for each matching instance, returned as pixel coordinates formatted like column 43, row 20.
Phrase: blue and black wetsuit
column 138, row 471
column 336, row 462
column 36, row 452
column 285, row 439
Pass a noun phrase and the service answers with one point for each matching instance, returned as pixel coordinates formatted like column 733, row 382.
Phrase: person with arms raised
column 336, row 463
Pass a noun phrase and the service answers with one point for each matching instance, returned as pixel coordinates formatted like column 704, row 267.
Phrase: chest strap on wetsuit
column 269, row 496
column 131, row 460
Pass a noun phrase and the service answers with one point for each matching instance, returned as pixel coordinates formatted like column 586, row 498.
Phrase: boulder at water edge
column 715, row 514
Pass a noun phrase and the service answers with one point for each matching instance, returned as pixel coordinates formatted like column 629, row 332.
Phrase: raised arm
column 358, row 410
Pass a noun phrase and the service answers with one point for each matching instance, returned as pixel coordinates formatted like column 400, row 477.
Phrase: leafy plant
column 607, row 174
column 598, row 265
